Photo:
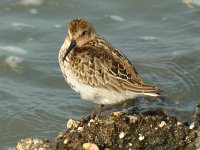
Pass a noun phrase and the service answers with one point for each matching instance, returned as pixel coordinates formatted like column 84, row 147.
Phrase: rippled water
column 161, row 38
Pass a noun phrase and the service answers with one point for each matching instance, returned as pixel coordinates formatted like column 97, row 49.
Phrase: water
column 161, row 38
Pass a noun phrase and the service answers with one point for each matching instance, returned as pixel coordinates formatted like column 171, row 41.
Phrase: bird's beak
column 71, row 46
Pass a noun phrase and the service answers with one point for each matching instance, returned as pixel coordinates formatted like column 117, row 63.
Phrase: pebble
column 71, row 131
column 80, row 129
column 130, row 144
column 91, row 120
column 65, row 141
column 141, row 137
column 90, row 146
column 192, row 126
column 133, row 119
column 162, row 124
column 179, row 123
column 72, row 124
column 60, row 134
column 117, row 113
column 121, row 135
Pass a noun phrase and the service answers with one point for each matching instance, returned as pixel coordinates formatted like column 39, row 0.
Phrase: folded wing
column 111, row 71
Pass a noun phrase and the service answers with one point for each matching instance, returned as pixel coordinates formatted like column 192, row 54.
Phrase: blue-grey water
column 161, row 38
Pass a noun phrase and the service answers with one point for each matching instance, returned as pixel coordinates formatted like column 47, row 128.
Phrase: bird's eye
column 83, row 33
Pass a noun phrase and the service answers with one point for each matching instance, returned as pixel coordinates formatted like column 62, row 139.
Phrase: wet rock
column 149, row 130
column 34, row 144
column 152, row 129
column 197, row 115
column 197, row 123
column 72, row 124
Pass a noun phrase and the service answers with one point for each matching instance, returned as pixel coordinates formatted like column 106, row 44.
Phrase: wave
column 13, row 49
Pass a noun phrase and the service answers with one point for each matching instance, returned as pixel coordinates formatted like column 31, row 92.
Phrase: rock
column 34, row 144
column 72, row 124
column 192, row 126
column 123, row 131
column 155, row 128
column 117, row 114
column 121, row 135
column 197, row 114
column 65, row 141
column 141, row 137
column 162, row 124
column 132, row 119
column 197, row 142
column 80, row 129
column 179, row 123
column 90, row 146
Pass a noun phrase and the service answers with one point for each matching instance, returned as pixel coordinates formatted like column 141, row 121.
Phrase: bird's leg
column 100, row 110
column 95, row 113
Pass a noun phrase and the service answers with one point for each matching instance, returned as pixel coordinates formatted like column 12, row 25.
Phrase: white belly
column 96, row 95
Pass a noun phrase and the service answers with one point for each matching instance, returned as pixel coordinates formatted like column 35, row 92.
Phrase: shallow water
column 160, row 38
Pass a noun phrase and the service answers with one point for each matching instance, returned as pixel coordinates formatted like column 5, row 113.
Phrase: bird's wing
column 112, row 71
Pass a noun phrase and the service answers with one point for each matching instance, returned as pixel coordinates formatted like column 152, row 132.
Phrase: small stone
column 91, row 120
column 71, row 131
column 117, row 113
column 162, row 124
column 71, row 124
column 90, row 146
column 60, row 134
column 80, row 129
column 141, row 137
column 192, row 126
column 133, row 119
column 130, row 144
column 121, row 135
column 179, row 123
column 65, row 141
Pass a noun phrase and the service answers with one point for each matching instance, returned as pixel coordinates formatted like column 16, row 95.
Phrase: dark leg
column 94, row 113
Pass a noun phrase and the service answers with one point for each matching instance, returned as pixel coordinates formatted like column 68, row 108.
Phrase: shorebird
column 97, row 70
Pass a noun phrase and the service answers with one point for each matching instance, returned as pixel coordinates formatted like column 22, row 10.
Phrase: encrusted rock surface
column 34, row 144
column 129, row 130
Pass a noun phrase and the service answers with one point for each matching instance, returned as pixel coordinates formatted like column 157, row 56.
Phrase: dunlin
column 96, row 69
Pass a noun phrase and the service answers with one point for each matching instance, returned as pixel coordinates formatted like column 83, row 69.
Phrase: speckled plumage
column 96, row 69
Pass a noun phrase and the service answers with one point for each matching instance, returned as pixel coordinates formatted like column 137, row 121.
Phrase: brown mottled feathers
column 73, row 26
column 96, row 65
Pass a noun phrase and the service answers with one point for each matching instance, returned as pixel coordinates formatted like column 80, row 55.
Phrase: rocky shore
column 129, row 130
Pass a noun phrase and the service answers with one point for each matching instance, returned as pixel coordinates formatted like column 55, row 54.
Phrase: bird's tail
column 151, row 90
column 146, row 89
